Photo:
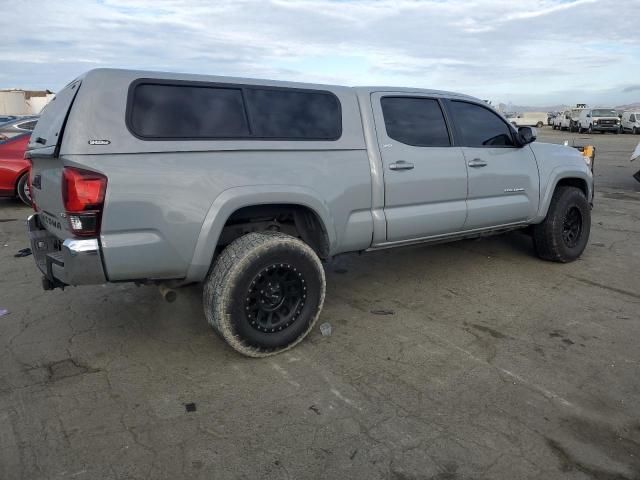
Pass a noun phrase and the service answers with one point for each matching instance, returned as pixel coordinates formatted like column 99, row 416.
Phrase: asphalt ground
column 470, row 360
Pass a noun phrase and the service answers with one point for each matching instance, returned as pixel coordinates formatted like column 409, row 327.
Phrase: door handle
column 477, row 162
column 401, row 165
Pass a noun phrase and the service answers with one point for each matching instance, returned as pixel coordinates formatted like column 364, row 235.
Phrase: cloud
column 631, row 88
column 488, row 48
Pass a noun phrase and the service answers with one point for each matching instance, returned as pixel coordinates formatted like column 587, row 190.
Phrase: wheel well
column 574, row 182
column 296, row 220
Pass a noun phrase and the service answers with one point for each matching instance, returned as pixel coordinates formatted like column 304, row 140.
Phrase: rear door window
column 415, row 121
column 479, row 126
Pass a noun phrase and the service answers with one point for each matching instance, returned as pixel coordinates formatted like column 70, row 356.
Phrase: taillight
column 83, row 195
column 27, row 157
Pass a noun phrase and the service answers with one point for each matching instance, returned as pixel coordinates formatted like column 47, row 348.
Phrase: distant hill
column 629, row 106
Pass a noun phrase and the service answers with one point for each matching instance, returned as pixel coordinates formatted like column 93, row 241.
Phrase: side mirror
column 527, row 135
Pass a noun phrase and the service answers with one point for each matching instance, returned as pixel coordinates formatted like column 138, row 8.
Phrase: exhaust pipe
column 167, row 293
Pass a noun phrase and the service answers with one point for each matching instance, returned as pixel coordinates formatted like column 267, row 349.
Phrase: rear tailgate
column 47, row 166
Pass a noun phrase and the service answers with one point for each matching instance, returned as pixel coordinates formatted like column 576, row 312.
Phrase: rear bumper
column 70, row 262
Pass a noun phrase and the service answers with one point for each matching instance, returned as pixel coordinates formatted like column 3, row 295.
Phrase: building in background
column 23, row 102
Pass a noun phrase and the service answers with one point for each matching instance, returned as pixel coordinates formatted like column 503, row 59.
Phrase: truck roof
column 104, row 73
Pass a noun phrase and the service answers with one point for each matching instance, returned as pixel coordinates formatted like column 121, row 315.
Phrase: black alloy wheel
column 572, row 227
column 275, row 298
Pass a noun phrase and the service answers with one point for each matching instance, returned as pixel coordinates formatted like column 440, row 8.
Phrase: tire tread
column 546, row 235
column 224, row 274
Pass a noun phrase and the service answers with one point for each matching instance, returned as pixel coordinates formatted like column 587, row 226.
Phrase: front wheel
column 22, row 189
column 264, row 293
column 564, row 233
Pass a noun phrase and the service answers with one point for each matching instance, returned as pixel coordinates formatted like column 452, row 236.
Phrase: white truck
column 556, row 123
column 574, row 117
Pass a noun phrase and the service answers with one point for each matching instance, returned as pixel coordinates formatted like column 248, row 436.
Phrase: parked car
column 630, row 122
column 17, row 126
column 7, row 118
column 14, row 169
column 246, row 185
column 529, row 119
column 598, row 120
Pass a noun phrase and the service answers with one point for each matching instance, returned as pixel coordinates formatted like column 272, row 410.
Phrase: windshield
column 604, row 112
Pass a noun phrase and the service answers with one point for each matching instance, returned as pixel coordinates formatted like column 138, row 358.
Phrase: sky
column 533, row 52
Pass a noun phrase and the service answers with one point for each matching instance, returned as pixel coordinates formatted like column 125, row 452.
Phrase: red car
column 14, row 170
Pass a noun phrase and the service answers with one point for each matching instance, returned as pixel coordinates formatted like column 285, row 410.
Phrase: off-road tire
column 21, row 189
column 548, row 235
column 230, row 279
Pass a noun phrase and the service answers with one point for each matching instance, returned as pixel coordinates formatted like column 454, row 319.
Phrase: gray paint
column 167, row 201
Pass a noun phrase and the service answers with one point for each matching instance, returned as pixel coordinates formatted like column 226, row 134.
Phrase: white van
column 630, row 122
column 529, row 119
column 598, row 120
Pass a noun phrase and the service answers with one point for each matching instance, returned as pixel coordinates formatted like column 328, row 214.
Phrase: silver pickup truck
column 247, row 185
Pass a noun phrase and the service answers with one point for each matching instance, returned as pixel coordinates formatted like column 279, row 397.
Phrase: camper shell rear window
column 184, row 110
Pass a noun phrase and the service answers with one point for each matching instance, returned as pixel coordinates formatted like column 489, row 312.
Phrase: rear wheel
column 634, row 130
column 22, row 189
column 264, row 293
column 539, row 124
column 564, row 233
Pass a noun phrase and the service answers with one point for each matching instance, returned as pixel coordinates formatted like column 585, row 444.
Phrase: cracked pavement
column 470, row 360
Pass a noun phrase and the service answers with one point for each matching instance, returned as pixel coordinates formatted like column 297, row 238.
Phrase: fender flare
column 556, row 176
column 235, row 198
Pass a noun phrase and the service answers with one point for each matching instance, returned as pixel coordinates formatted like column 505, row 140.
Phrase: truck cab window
column 415, row 121
column 479, row 126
